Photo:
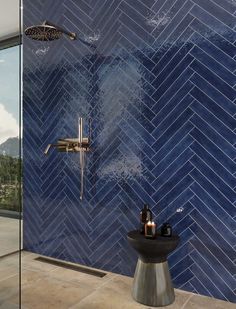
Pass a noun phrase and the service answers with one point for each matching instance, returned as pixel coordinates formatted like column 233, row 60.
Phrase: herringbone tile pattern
column 160, row 89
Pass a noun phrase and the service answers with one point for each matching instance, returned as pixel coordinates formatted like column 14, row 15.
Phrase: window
column 9, row 125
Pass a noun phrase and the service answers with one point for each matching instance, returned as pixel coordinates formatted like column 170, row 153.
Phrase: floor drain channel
column 78, row 268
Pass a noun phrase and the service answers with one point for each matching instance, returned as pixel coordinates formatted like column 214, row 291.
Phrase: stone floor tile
column 9, row 288
column 46, row 286
column 116, row 294
column 9, row 235
column 52, row 293
column 202, row 302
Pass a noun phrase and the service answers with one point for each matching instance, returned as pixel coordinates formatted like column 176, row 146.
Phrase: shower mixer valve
column 69, row 145
column 72, row 144
column 80, row 144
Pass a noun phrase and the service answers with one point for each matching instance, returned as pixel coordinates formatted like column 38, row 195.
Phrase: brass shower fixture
column 80, row 144
column 69, row 145
column 47, row 32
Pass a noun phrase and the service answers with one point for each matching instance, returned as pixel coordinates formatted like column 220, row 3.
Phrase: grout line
column 211, row 170
column 186, row 302
column 219, row 63
column 211, row 98
column 168, row 14
column 74, row 306
column 209, row 209
column 173, row 31
column 206, row 261
column 188, row 174
column 214, row 17
column 11, row 276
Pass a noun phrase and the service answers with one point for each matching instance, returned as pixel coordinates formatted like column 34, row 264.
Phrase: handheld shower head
column 47, row 32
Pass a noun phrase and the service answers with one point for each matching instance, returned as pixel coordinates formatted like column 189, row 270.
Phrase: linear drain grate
column 81, row 269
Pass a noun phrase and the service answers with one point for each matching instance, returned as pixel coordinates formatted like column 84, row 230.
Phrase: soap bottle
column 166, row 230
column 145, row 216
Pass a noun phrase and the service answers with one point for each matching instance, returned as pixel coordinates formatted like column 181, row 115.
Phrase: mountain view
column 10, row 147
column 9, row 129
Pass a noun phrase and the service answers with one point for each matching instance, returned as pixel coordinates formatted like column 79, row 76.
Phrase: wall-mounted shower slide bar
column 80, row 144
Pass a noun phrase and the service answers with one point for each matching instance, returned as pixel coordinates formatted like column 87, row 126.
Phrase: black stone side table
column 152, row 285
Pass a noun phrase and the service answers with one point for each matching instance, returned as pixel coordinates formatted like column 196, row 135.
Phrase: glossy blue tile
column 220, row 110
column 185, row 222
column 211, row 162
column 214, row 66
column 211, row 289
column 227, row 5
column 221, row 85
column 172, row 143
column 204, row 196
column 213, row 121
column 216, row 14
column 168, row 95
column 175, row 207
column 177, row 15
column 213, row 51
column 170, row 183
column 170, row 80
column 175, row 192
column 175, row 258
column 185, row 263
column 185, row 276
column 171, row 169
column 136, row 28
column 130, row 131
column 215, row 236
column 176, row 106
column 158, row 5
column 212, row 35
column 172, row 156
column 158, row 83
column 219, row 197
column 214, row 136
column 216, row 273
column 162, row 60
column 212, row 148
column 175, row 127
column 214, row 220
column 164, row 73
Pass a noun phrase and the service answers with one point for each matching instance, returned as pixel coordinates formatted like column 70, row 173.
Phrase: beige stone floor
column 9, row 235
column 46, row 286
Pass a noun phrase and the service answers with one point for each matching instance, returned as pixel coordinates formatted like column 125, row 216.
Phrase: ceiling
column 9, row 17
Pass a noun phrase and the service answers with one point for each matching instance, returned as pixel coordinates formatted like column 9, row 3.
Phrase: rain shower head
column 47, row 32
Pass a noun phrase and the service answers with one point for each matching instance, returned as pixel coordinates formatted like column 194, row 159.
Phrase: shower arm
column 72, row 35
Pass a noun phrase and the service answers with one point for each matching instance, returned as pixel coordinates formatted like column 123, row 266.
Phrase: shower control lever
column 69, row 145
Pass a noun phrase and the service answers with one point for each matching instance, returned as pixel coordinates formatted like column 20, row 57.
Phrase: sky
column 9, row 93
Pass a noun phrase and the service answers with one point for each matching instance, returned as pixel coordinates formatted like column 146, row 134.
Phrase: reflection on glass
column 10, row 179
column 9, row 129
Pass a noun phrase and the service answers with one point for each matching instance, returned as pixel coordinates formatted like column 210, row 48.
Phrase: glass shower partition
column 10, row 167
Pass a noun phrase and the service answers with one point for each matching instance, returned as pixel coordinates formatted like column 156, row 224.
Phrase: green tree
column 9, row 182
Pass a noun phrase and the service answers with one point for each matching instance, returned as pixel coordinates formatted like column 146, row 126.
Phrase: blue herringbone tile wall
column 159, row 85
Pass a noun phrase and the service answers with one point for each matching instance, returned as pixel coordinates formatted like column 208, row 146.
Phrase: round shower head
column 43, row 33
column 47, row 32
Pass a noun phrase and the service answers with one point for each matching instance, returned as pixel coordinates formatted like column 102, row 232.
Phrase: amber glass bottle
column 145, row 216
